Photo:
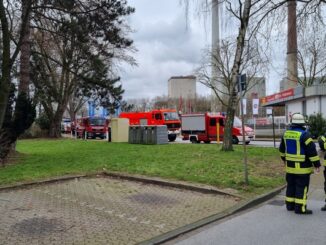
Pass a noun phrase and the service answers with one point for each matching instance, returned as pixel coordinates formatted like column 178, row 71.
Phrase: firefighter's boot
column 307, row 211
column 323, row 208
column 290, row 206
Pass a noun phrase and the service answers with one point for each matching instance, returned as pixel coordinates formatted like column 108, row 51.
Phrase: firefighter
column 322, row 145
column 298, row 151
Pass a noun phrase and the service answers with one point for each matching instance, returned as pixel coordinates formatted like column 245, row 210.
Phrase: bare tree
column 75, row 103
column 144, row 104
column 231, row 58
column 183, row 105
column 312, row 52
column 249, row 17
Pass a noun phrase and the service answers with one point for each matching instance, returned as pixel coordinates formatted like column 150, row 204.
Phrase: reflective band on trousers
column 289, row 199
column 303, row 201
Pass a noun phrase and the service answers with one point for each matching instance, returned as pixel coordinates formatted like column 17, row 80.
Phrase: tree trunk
column 6, row 64
column 227, row 139
column 7, row 139
column 232, row 105
column 55, row 129
column 25, row 52
column 55, row 124
column 72, row 109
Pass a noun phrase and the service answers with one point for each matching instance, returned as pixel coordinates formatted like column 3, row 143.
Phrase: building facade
column 256, row 88
column 182, row 87
column 306, row 100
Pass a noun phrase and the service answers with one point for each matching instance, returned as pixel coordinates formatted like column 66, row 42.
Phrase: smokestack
column 292, row 47
column 215, row 104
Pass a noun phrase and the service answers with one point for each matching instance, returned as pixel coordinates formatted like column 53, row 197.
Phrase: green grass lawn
column 199, row 163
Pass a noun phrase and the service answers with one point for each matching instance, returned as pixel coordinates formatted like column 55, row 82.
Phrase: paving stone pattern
column 100, row 211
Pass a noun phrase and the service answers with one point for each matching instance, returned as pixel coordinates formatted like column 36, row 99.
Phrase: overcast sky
column 167, row 46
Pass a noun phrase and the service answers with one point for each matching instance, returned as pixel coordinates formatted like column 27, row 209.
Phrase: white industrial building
column 256, row 88
column 306, row 100
column 182, row 87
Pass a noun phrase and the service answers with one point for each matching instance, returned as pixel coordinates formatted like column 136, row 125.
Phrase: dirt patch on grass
column 13, row 158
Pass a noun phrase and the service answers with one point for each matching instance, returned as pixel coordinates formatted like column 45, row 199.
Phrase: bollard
column 217, row 133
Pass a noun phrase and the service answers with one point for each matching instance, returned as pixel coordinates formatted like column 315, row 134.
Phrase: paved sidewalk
column 100, row 211
column 268, row 224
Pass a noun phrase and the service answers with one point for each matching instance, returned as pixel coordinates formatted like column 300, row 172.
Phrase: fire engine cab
column 168, row 117
column 91, row 127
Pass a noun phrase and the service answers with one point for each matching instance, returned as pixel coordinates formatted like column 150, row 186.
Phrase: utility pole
column 242, row 81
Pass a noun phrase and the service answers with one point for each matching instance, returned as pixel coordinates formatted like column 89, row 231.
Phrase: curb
column 187, row 186
column 187, row 228
column 41, row 182
column 142, row 179
column 277, row 139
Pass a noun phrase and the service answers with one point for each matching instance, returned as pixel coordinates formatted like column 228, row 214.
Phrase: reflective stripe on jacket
column 299, row 151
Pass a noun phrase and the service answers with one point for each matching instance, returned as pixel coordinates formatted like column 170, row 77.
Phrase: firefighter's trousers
column 296, row 192
column 325, row 180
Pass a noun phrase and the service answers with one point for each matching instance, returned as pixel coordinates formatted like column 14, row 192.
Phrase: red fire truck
column 91, row 127
column 202, row 127
column 168, row 117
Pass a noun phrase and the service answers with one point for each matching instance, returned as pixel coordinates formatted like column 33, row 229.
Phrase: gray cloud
column 166, row 47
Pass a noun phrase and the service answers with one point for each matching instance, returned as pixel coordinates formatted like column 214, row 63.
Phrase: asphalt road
column 268, row 224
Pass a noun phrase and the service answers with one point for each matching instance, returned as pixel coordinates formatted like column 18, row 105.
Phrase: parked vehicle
column 203, row 127
column 91, row 127
column 168, row 117
column 66, row 125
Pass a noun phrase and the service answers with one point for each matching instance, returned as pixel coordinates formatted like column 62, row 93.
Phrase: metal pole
column 273, row 127
column 254, row 127
column 244, row 143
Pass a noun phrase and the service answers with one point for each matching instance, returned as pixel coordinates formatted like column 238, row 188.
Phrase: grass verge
column 198, row 163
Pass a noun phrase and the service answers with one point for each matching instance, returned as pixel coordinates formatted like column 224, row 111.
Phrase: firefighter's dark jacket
column 299, row 151
column 322, row 144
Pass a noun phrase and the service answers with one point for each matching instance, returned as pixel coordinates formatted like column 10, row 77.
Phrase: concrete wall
column 323, row 106
column 313, row 105
column 256, row 88
column 184, row 87
column 294, row 107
